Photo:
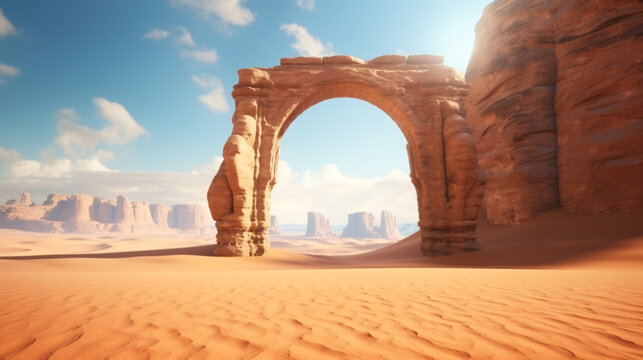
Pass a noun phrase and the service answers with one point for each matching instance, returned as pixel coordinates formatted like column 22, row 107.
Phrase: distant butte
column 81, row 213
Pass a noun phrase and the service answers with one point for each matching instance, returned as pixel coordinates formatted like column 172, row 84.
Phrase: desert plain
column 559, row 286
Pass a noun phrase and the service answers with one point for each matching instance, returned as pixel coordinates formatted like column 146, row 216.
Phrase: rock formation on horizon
column 555, row 105
column 274, row 226
column 361, row 225
column 87, row 214
column 388, row 226
column 318, row 226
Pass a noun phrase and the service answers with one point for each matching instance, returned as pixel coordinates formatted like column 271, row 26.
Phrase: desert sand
column 557, row 286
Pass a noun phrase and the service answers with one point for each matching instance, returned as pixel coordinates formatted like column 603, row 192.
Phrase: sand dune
column 390, row 303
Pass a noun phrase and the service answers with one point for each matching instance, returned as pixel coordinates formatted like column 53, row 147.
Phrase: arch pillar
column 421, row 95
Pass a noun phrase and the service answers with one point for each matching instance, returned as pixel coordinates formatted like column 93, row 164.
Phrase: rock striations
column 554, row 103
column 318, row 226
column 361, row 225
column 87, row 214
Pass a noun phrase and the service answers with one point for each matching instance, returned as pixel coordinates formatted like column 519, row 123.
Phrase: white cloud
column 227, row 11
column 75, row 138
column 90, row 176
column 207, row 55
column 306, row 4
column 306, row 44
column 6, row 28
column 7, row 71
column 157, row 34
column 121, row 128
column 20, row 169
column 210, row 168
column 335, row 195
column 184, row 37
column 215, row 98
column 325, row 190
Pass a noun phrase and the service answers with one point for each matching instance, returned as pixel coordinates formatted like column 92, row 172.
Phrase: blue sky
column 133, row 97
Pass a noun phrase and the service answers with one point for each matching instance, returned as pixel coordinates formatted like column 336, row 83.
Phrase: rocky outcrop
column 554, row 104
column 189, row 218
column 318, row 226
column 361, row 225
column 388, row 226
column 25, row 200
column 274, row 226
column 103, row 210
column 161, row 215
column 86, row 214
column 75, row 207
column 142, row 214
column 54, row 199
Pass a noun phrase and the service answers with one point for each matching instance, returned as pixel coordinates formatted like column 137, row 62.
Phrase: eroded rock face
column 25, row 200
column 361, row 225
column 318, row 226
column 274, row 226
column 86, row 214
column 554, row 105
column 388, row 226
column 420, row 94
column 74, row 208
column 103, row 210
column 189, row 218
column 160, row 215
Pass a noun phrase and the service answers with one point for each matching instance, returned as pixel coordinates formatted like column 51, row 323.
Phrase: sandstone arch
column 420, row 94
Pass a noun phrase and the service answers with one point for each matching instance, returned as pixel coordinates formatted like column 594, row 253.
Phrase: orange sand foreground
column 558, row 286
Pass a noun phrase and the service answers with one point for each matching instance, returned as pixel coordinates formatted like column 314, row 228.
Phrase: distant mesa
column 361, row 225
column 274, row 226
column 318, row 226
column 81, row 213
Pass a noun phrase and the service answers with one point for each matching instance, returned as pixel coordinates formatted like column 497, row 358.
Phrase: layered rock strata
column 554, row 102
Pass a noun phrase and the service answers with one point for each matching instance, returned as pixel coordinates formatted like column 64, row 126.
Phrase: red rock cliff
column 556, row 106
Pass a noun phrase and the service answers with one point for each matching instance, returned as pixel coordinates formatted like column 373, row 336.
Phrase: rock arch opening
column 341, row 156
column 420, row 94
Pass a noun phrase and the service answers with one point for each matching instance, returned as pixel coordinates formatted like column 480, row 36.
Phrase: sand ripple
column 321, row 314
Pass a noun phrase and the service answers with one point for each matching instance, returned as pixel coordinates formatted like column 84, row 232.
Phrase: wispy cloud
column 157, row 34
column 7, row 71
column 306, row 4
column 228, row 12
column 215, row 98
column 21, row 171
column 76, row 139
column 6, row 27
column 184, row 37
column 206, row 55
column 305, row 43
column 186, row 44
